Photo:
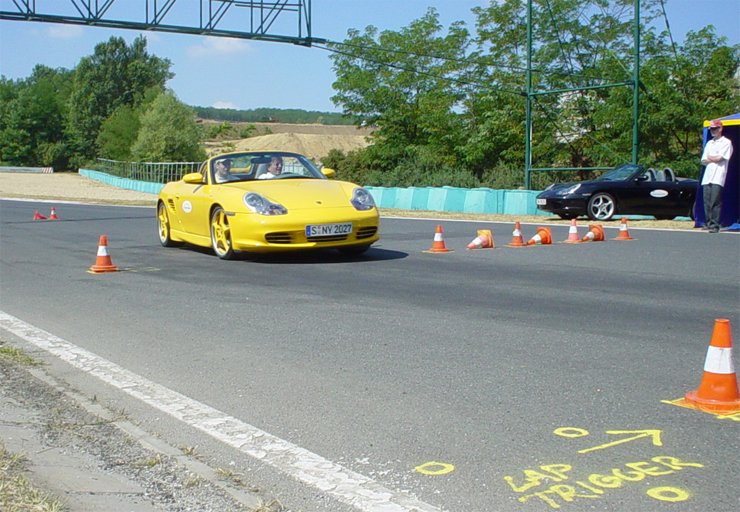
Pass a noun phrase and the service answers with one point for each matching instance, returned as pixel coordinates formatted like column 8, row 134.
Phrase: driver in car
column 273, row 169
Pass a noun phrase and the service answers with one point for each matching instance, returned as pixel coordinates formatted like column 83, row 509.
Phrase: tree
column 32, row 118
column 115, row 75
column 119, row 132
column 406, row 83
column 168, row 132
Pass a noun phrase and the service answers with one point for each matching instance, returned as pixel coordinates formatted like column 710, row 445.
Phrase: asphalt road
column 488, row 380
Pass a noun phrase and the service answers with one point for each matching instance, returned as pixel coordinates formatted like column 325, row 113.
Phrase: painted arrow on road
column 633, row 435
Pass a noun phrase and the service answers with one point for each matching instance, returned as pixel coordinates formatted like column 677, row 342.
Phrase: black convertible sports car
column 626, row 190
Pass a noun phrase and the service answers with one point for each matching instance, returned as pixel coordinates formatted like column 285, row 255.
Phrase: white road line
column 330, row 478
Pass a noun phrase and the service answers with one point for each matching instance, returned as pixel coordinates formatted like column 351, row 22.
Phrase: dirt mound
column 314, row 146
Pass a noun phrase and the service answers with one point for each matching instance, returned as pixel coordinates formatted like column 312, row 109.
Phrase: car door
column 644, row 195
column 193, row 205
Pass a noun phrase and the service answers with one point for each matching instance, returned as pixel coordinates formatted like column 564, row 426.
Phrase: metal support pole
column 636, row 84
column 528, row 105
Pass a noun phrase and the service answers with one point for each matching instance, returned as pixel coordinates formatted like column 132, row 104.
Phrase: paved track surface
column 453, row 377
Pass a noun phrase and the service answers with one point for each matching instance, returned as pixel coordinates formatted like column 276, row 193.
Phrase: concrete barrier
column 38, row 170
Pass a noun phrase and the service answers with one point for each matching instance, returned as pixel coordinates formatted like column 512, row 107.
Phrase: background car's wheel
column 353, row 251
column 601, row 207
column 567, row 216
column 163, row 225
column 221, row 234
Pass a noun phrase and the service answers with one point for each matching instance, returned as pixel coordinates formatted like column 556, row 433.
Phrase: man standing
column 715, row 157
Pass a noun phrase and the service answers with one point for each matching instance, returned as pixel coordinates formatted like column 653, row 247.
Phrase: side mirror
column 641, row 177
column 194, row 178
column 329, row 173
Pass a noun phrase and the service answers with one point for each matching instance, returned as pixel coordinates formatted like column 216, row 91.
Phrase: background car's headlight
column 569, row 190
column 362, row 200
column 263, row 206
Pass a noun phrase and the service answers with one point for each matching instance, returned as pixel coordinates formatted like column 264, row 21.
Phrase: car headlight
column 262, row 205
column 570, row 190
column 362, row 200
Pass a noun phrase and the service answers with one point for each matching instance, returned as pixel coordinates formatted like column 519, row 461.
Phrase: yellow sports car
column 262, row 201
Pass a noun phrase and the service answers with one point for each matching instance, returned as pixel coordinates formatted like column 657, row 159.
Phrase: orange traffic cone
column 483, row 240
column 439, row 243
column 103, row 262
column 718, row 391
column 38, row 216
column 624, row 234
column 542, row 237
column 595, row 233
column 573, row 237
column 516, row 236
column 53, row 214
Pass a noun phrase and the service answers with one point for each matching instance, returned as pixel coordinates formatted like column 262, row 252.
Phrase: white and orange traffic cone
column 483, row 240
column 542, row 237
column 438, row 245
column 516, row 236
column 38, row 216
column 718, row 391
column 595, row 233
column 573, row 237
column 624, row 233
column 103, row 262
column 53, row 214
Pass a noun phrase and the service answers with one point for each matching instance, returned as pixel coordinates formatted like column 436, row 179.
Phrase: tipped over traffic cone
column 438, row 245
column 53, row 214
column 718, row 391
column 38, row 216
column 483, row 240
column 624, row 234
column 573, row 237
column 516, row 236
column 595, row 234
column 103, row 262
column 542, row 237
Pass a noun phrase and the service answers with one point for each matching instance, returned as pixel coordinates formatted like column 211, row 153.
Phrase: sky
column 247, row 74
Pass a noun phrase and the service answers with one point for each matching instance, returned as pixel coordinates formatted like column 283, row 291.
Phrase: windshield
column 234, row 167
column 621, row 173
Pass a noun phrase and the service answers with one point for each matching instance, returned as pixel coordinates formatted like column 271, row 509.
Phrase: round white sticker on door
column 659, row 193
column 187, row 207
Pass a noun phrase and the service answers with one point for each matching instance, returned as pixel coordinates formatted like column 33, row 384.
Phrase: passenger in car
column 273, row 170
column 223, row 171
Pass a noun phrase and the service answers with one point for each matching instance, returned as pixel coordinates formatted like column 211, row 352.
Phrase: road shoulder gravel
column 92, row 459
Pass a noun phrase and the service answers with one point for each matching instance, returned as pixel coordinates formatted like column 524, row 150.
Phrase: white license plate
column 541, row 202
column 328, row 229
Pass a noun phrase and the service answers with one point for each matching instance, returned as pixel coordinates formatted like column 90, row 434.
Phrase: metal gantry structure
column 530, row 94
column 282, row 21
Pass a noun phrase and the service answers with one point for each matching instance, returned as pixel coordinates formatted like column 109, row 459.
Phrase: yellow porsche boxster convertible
column 262, row 201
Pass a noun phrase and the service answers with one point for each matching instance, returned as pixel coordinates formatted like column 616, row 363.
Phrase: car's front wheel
column 163, row 225
column 601, row 206
column 221, row 234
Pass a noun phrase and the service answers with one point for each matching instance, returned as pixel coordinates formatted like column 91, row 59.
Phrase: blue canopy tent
column 730, row 216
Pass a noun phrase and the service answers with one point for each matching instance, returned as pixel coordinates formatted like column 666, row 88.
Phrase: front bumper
column 282, row 233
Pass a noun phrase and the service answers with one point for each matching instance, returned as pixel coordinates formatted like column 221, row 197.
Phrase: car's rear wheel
column 163, row 225
column 601, row 206
column 221, row 234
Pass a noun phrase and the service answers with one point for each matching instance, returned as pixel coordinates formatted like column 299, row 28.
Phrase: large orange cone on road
column 516, row 236
column 438, row 245
column 38, row 216
column 53, row 214
column 103, row 262
column 624, row 233
column 573, row 237
column 483, row 240
column 542, row 237
column 718, row 391
column 595, row 234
